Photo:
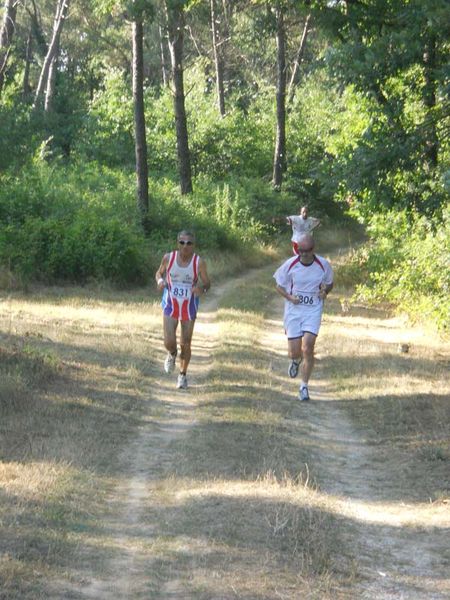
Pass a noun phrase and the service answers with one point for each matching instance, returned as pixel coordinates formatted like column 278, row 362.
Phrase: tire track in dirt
column 142, row 464
column 399, row 551
column 399, row 547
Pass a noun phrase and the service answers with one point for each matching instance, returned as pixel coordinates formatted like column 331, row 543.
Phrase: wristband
column 160, row 280
column 205, row 289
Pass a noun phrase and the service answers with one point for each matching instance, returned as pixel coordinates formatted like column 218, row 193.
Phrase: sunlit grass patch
column 394, row 382
column 28, row 364
column 45, row 508
column 72, row 391
column 256, row 535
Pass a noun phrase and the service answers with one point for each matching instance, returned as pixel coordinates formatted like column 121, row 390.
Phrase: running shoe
column 293, row 368
column 169, row 363
column 303, row 394
column 182, row 382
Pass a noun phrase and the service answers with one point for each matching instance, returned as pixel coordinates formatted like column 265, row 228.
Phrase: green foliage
column 240, row 143
column 106, row 134
column 382, row 54
column 16, row 136
column 225, row 216
column 79, row 223
column 70, row 224
column 406, row 264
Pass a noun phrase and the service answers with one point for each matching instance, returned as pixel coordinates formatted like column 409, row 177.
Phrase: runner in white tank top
column 178, row 301
column 178, row 277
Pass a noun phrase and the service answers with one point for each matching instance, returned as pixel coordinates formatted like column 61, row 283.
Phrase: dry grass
column 71, row 392
column 108, row 477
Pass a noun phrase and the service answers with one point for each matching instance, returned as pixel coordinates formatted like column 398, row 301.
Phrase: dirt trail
column 143, row 462
column 399, row 547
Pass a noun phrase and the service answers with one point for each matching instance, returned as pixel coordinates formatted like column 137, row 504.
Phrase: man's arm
column 206, row 283
column 159, row 275
column 280, row 289
column 315, row 223
column 325, row 289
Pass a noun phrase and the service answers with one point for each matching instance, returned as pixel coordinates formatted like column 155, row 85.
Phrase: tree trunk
column 36, row 30
column 298, row 60
column 218, row 60
column 175, row 21
column 279, row 162
column 60, row 15
column 429, row 98
column 51, row 81
column 6, row 35
column 139, row 119
column 162, row 51
column 26, row 89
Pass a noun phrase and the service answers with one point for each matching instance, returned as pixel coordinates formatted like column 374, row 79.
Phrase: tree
column 298, row 59
column 45, row 81
column 162, row 49
column 218, row 60
column 279, row 161
column 175, row 28
column 139, row 118
column 394, row 53
column 6, row 36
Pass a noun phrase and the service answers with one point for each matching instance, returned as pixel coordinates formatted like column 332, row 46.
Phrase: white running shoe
column 303, row 394
column 182, row 382
column 293, row 368
column 169, row 363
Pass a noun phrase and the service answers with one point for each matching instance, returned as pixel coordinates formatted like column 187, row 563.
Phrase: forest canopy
column 123, row 120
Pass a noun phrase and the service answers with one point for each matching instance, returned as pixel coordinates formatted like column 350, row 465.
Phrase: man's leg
column 308, row 343
column 187, row 329
column 295, row 349
column 170, row 334
column 170, row 342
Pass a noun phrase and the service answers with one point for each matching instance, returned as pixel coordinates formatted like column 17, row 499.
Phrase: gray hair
column 186, row 232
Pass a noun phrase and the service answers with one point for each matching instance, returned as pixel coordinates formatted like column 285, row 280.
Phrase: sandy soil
column 400, row 546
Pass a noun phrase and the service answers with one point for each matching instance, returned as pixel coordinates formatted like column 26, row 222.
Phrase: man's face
column 186, row 245
column 304, row 212
column 305, row 250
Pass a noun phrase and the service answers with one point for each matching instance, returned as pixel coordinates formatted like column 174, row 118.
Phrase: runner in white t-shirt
column 178, row 277
column 304, row 282
column 301, row 224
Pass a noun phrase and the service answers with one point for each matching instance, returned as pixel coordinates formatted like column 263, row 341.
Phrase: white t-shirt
column 301, row 226
column 304, row 282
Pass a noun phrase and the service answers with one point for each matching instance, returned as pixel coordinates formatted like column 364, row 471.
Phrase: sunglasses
column 183, row 242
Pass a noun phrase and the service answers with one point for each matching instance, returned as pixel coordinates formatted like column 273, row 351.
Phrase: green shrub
column 74, row 223
column 407, row 264
column 90, row 247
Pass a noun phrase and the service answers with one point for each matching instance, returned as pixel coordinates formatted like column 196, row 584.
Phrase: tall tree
column 162, row 50
column 139, row 118
column 279, row 161
column 175, row 28
column 26, row 89
column 298, row 60
column 62, row 8
column 6, row 36
column 429, row 97
column 218, row 59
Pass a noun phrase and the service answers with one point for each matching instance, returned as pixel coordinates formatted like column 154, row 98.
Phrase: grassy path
column 115, row 485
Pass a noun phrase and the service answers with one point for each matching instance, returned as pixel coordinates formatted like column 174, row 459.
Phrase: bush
column 52, row 250
column 80, row 222
column 407, row 264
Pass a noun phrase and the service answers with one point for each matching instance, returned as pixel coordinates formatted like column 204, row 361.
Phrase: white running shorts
column 301, row 321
